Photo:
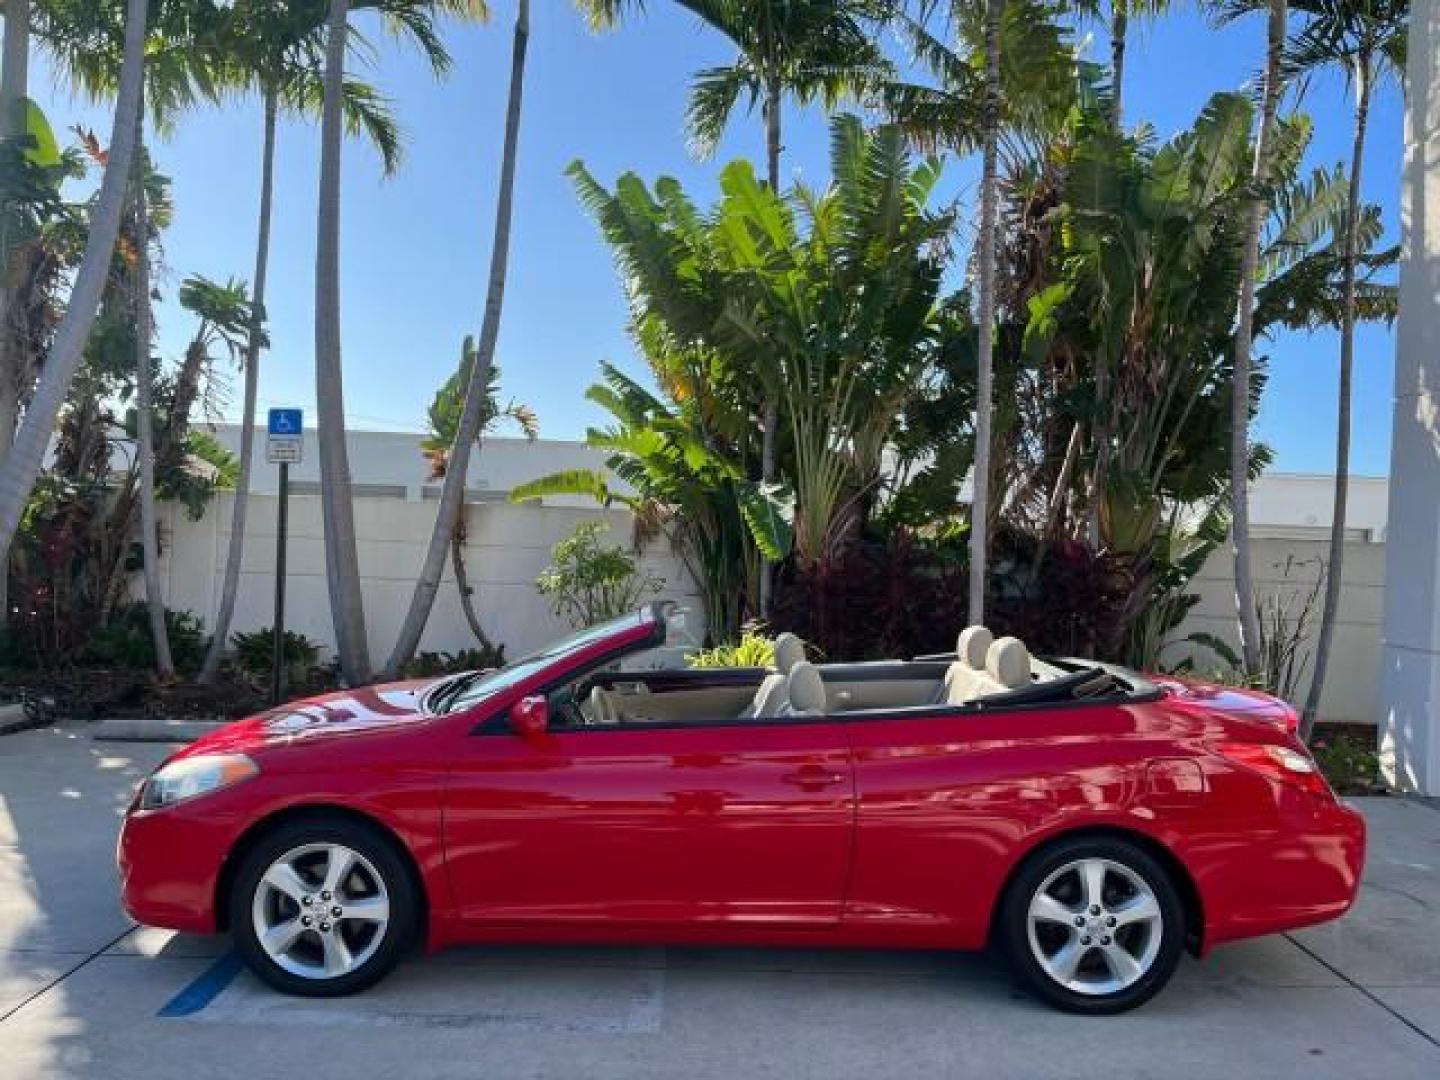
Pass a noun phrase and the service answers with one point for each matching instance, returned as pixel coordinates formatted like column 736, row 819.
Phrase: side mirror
column 530, row 716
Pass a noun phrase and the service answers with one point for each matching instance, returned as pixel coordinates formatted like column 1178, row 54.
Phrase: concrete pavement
column 85, row 994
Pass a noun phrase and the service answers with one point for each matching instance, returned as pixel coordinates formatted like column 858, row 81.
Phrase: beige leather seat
column 770, row 698
column 805, row 690
column 966, row 678
column 602, row 707
column 1007, row 663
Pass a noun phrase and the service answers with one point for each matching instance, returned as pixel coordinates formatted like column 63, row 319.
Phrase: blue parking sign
column 287, row 422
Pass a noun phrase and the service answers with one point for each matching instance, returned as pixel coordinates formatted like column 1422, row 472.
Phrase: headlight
column 194, row 776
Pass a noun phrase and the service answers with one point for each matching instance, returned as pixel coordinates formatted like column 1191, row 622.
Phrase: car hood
column 326, row 716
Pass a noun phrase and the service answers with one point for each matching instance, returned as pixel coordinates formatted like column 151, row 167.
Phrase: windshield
column 461, row 693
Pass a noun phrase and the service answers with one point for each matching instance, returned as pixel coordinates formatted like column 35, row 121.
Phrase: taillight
column 1290, row 720
column 1280, row 763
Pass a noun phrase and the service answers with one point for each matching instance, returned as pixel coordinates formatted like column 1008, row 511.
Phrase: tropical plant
column 835, row 292
column 446, row 417
column 428, row 665
column 1009, row 70
column 1115, row 265
column 588, row 582
column 678, row 472
column 754, row 649
column 23, row 458
column 89, row 42
column 37, row 225
column 807, row 50
column 128, row 641
column 19, row 148
column 1285, row 615
column 1366, row 40
column 279, row 49
column 255, row 655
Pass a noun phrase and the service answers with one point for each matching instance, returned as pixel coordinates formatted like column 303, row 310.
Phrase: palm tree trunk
column 980, row 496
column 1249, row 621
column 770, row 408
column 22, row 464
column 452, row 495
column 235, row 553
column 462, row 583
column 342, row 565
column 145, row 413
column 1335, row 567
column 14, row 86
column 1119, row 29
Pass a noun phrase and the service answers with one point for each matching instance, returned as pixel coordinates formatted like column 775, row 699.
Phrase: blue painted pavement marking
column 206, row 987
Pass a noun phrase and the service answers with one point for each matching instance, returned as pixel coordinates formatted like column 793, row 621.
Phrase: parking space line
column 205, row 988
column 67, row 973
column 1363, row 990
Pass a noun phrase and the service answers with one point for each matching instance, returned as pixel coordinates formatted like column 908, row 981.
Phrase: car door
column 731, row 822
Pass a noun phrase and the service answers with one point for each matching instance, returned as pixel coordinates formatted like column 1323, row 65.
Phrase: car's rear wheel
column 1093, row 925
column 322, row 907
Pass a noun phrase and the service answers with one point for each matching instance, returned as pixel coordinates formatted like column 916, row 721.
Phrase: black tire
column 379, row 851
column 1014, row 931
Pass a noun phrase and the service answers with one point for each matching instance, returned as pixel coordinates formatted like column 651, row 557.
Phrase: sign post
column 284, row 446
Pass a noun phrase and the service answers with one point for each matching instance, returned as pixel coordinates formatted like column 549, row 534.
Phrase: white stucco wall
column 507, row 547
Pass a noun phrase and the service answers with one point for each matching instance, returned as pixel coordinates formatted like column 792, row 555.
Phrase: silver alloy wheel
column 1095, row 926
column 320, row 911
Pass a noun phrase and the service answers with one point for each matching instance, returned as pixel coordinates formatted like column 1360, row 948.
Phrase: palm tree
column 477, row 397
column 145, row 411
column 805, row 49
column 279, row 49
column 1121, row 12
column 179, row 65
column 1024, row 82
column 446, row 417
column 14, row 86
column 342, row 567
column 1367, row 40
column 1240, row 406
column 22, row 464
column 985, row 315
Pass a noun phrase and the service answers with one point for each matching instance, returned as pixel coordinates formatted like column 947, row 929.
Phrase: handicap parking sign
column 285, row 422
column 286, row 437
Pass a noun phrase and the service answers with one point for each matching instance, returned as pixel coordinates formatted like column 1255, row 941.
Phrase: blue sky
column 415, row 248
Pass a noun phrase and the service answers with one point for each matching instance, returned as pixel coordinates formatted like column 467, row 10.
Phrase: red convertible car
column 1090, row 822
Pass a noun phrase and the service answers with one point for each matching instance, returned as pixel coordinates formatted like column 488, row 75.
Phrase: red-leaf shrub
column 903, row 597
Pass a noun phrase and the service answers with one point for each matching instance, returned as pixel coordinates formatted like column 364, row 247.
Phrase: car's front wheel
column 322, row 907
column 1093, row 925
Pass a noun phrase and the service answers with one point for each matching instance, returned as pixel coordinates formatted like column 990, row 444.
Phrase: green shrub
column 754, row 650
column 1348, row 759
column 427, row 665
column 125, row 641
column 255, row 654
column 588, row 583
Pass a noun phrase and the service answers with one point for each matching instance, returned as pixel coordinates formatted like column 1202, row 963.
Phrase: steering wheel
column 564, row 709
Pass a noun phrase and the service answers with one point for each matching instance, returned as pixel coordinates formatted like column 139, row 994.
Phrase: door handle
column 814, row 778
